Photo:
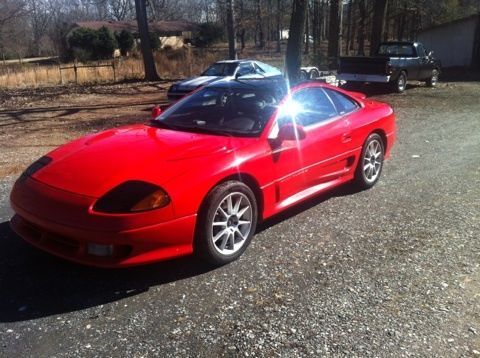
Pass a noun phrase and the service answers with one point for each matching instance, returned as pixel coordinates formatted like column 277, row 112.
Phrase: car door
column 286, row 162
column 324, row 151
column 426, row 66
column 409, row 60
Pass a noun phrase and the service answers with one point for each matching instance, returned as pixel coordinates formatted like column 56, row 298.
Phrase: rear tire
column 433, row 80
column 400, row 84
column 226, row 223
column 370, row 164
column 314, row 74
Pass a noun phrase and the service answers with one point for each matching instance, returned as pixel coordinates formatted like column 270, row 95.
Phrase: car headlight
column 131, row 197
column 36, row 166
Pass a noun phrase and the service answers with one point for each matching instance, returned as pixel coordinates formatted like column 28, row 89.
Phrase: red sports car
column 201, row 175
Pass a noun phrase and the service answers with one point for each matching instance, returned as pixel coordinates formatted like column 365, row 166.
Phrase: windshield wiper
column 205, row 130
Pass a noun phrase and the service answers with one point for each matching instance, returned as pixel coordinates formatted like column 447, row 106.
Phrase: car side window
column 421, row 51
column 343, row 104
column 245, row 69
column 258, row 69
column 314, row 106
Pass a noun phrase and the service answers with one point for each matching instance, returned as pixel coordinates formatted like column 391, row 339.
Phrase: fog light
column 100, row 250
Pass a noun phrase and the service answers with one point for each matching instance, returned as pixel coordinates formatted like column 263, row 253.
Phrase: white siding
column 452, row 44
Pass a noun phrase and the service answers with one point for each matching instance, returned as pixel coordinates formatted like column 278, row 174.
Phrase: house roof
column 463, row 19
column 157, row 26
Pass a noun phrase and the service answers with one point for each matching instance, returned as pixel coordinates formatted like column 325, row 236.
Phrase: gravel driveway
column 392, row 271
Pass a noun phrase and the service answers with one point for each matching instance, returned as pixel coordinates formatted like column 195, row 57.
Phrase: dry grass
column 170, row 65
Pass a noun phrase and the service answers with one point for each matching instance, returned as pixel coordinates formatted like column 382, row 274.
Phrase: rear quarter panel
column 375, row 117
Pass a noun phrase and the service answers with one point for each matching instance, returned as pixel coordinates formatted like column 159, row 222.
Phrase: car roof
column 398, row 43
column 235, row 61
column 260, row 83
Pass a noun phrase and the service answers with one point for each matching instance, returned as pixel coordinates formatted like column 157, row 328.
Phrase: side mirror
column 291, row 131
column 156, row 111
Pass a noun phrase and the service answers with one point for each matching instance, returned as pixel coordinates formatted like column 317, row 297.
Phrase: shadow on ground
column 379, row 89
column 35, row 284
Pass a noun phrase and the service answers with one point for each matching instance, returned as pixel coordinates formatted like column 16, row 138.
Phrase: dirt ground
column 389, row 272
column 34, row 121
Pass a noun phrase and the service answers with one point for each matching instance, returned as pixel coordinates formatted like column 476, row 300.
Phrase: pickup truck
column 394, row 63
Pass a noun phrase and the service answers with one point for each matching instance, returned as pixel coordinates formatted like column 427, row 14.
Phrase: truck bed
column 364, row 65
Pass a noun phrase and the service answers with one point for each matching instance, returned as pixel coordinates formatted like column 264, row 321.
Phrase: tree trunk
column 307, row 31
column 361, row 28
column 315, row 27
column 261, row 37
column 279, row 8
column 148, row 62
column 293, row 56
column 378, row 24
column 242, row 39
column 401, row 26
column 349, row 28
column 322, row 26
column 334, row 33
column 232, row 43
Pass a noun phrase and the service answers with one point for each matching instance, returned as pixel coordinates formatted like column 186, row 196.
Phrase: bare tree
column 39, row 19
column 10, row 11
column 259, row 27
column 279, row 35
column 334, row 32
column 120, row 9
column 293, row 56
column 378, row 25
column 361, row 27
column 148, row 62
column 232, row 43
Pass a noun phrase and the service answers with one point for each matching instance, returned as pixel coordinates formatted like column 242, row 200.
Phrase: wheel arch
column 247, row 179
column 382, row 135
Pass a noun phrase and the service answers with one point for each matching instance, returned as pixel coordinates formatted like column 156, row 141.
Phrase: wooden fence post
column 75, row 70
column 114, row 74
column 61, row 74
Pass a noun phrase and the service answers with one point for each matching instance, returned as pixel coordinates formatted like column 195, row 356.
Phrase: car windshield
column 396, row 50
column 221, row 69
column 224, row 111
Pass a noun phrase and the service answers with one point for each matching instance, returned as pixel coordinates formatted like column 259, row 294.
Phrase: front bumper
column 129, row 248
column 68, row 231
column 354, row 77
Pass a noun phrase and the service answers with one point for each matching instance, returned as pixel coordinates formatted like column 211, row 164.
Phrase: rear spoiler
column 358, row 95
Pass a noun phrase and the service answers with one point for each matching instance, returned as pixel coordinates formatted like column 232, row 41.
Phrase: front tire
column 226, row 223
column 370, row 164
column 400, row 84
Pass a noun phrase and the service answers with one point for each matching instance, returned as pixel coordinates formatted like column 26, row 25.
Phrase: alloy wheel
column 231, row 223
column 372, row 161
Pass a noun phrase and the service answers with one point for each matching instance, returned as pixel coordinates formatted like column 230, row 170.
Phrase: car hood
column 192, row 83
column 93, row 165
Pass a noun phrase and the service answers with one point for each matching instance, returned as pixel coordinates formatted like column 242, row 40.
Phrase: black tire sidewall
column 203, row 245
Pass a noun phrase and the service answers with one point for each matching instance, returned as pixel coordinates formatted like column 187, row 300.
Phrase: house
column 455, row 43
column 173, row 34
